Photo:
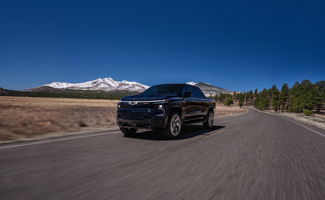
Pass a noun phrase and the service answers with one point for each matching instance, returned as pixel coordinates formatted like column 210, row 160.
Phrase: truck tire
column 174, row 126
column 209, row 120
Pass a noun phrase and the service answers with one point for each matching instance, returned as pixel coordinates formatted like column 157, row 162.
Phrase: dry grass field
column 27, row 117
column 222, row 110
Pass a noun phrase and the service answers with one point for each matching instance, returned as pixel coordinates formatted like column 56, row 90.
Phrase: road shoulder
column 310, row 120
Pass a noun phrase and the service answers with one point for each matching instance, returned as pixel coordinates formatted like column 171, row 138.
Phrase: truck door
column 188, row 103
column 198, row 110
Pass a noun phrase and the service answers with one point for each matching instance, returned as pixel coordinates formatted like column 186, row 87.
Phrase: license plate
column 133, row 124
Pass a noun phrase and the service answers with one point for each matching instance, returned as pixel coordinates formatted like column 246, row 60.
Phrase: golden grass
column 225, row 110
column 54, row 102
column 28, row 117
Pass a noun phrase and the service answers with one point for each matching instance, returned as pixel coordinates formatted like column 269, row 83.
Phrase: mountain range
column 110, row 85
column 105, row 84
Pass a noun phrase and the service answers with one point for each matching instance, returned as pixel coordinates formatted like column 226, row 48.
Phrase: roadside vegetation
column 304, row 97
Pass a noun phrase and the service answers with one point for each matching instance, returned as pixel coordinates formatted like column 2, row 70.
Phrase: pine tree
column 256, row 101
column 320, row 95
column 284, row 95
column 241, row 101
column 250, row 94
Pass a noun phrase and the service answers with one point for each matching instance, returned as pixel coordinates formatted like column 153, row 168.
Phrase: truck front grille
column 134, row 116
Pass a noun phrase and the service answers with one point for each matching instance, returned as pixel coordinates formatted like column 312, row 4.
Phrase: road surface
column 249, row 156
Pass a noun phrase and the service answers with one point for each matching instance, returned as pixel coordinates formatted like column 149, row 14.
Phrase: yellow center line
column 214, row 134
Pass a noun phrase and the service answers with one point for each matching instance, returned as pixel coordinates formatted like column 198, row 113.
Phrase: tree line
column 301, row 97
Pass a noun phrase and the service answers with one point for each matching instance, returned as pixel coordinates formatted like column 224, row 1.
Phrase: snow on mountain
column 191, row 83
column 208, row 89
column 105, row 84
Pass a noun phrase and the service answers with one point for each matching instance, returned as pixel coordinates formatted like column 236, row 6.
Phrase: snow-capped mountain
column 105, row 84
column 110, row 85
column 208, row 89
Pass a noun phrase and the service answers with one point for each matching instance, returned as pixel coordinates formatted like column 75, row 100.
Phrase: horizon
column 238, row 46
column 279, row 88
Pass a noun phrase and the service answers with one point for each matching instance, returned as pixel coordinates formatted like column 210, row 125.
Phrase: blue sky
column 237, row 45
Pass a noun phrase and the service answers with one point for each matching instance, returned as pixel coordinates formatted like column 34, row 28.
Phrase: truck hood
column 145, row 97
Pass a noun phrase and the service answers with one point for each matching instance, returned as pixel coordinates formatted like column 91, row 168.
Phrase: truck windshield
column 170, row 89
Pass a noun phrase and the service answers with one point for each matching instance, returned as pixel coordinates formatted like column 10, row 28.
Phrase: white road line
column 57, row 140
column 304, row 126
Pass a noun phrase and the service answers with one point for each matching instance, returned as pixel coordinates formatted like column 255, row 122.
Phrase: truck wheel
column 209, row 120
column 128, row 131
column 174, row 126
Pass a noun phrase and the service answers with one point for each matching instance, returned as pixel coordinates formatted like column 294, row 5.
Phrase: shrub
column 308, row 113
column 228, row 101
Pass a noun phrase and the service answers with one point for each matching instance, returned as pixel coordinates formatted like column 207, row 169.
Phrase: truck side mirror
column 187, row 94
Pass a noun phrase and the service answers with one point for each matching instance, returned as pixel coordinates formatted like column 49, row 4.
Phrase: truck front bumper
column 149, row 119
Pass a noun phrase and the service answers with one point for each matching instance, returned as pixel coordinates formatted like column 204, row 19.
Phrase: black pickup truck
column 165, row 107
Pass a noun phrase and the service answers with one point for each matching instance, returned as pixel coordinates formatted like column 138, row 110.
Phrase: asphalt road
column 248, row 156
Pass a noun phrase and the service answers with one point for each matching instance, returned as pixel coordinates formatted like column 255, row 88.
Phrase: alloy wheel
column 211, row 118
column 175, row 125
